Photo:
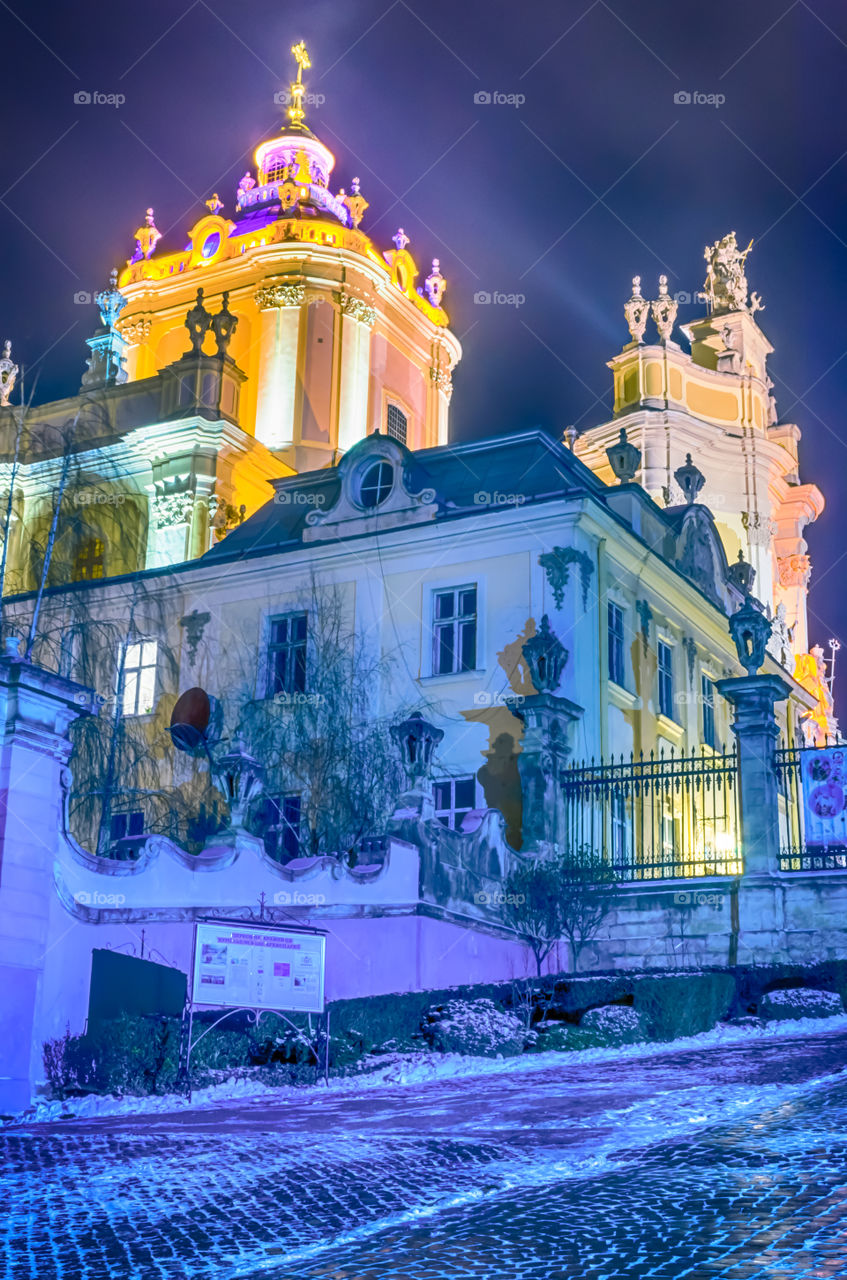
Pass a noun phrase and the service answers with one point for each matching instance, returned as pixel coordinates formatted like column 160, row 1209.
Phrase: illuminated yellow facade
column 276, row 340
column 714, row 402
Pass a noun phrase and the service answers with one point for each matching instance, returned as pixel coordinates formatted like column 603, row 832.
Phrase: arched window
column 396, row 423
column 89, row 561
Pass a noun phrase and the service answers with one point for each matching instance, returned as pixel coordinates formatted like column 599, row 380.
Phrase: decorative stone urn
column 416, row 740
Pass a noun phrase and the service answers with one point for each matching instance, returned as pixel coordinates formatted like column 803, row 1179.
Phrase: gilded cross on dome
column 295, row 111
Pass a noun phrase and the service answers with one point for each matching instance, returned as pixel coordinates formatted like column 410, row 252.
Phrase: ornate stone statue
column 435, row 284
column 636, row 311
column 8, row 373
column 146, row 237
column 215, row 204
column 664, row 310
column 110, row 302
column 197, row 323
column 223, row 326
column 355, row 202
column 400, row 240
column 726, row 282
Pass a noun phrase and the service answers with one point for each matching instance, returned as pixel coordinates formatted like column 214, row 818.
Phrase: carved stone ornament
column 781, row 643
column 110, row 302
column 197, row 322
column 282, row 294
column 689, row 644
column 172, row 509
column 557, row 565
column 624, row 459
column 636, row 311
column 355, row 202
column 194, row 624
column 690, row 480
column 358, row 309
column 645, row 615
column 224, row 324
column 442, row 378
column 742, row 574
column 750, row 630
column 137, row 330
column 146, row 237
column 545, row 655
column 416, row 740
column 8, row 373
column 435, row 284
column 726, row 281
column 760, row 530
column 664, row 310
column 794, row 570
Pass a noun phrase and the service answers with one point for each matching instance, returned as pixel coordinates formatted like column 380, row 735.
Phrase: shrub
column 799, row 1002
column 476, row 1027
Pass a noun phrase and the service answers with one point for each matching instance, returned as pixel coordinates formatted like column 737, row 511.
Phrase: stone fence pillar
column 36, row 710
column 754, row 724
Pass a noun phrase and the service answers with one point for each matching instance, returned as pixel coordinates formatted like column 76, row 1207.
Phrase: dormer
column 382, row 487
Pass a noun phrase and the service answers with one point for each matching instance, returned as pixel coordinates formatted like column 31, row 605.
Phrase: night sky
column 596, row 176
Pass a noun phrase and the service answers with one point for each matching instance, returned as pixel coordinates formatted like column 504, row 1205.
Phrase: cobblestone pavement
column 731, row 1162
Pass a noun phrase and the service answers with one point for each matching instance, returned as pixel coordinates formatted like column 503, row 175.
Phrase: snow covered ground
column 421, row 1068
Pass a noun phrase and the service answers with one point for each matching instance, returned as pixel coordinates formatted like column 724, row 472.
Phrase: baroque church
column 281, row 336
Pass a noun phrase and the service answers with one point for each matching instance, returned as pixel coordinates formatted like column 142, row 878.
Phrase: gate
column 657, row 818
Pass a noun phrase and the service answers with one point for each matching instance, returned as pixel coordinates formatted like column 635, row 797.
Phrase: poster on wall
column 258, row 967
column 823, row 777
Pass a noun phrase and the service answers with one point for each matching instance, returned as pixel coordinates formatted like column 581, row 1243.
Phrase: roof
column 511, row 470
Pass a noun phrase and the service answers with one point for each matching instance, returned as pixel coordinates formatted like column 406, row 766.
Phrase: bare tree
column 560, row 896
column 326, row 741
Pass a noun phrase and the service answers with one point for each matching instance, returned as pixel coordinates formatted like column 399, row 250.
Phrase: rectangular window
column 616, row 667
column 287, row 654
column 454, row 631
column 396, row 423
column 139, row 683
column 89, row 561
column 707, row 693
column 666, row 702
column 122, row 825
column 454, row 799
column 281, row 831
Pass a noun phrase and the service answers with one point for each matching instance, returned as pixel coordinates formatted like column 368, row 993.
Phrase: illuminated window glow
column 139, row 677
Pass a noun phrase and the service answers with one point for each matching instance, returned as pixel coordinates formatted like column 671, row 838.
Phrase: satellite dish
column 190, row 720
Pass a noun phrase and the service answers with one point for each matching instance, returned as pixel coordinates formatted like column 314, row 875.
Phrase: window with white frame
column 454, row 630
column 139, row 677
column 454, row 800
column 287, row 654
column 616, row 643
column 619, row 829
column 396, row 423
column 666, row 690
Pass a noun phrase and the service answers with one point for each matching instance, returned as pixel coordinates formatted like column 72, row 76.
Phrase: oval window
column 376, row 484
column 211, row 245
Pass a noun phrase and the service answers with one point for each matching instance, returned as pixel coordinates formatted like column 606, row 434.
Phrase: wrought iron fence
column 795, row 852
column 658, row 817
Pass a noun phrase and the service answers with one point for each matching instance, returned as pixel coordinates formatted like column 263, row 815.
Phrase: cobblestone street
column 728, row 1162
